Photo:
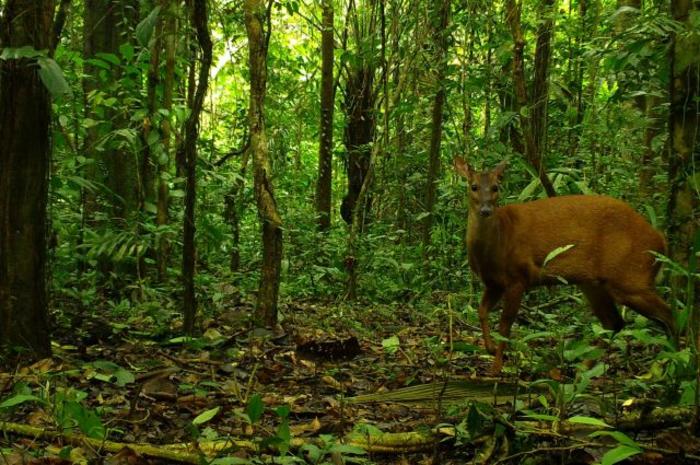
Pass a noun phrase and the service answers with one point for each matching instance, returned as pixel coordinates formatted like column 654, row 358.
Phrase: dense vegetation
column 183, row 175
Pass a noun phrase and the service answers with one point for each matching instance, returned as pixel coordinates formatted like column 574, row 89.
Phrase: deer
column 596, row 242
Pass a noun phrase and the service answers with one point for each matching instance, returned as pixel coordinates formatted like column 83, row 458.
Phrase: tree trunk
column 440, row 39
column 106, row 26
column 532, row 124
column 684, row 128
column 359, row 134
column 257, row 18
column 234, row 203
column 25, row 152
column 200, row 21
column 162, row 215
column 325, row 150
column 107, row 23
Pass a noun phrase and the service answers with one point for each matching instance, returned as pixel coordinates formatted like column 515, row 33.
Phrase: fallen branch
column 388, row 443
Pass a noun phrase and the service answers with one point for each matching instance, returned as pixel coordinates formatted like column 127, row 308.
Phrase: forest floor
column 290, row 395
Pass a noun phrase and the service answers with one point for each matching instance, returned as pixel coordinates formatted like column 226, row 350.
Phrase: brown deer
column 598, row 243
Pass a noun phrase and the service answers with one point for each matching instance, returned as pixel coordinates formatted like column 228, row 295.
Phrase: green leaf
column 620, row 437
column 581, row 420
column 19, row 399
column 230, row 461
column 109, row 58
column 465, row 347
column 87, row 420
column 11, row 53
column 619, row 454
column 391, row 344
column 52, row 77
column 255, row 408
column 313, row 453
column 206, row 416
column 144, row 30
column 556, row 252
column 127, row 51
column 284, row 435
column 283, row 411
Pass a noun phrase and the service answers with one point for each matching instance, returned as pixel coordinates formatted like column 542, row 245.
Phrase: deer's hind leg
column 648, row 303
column 603, row 306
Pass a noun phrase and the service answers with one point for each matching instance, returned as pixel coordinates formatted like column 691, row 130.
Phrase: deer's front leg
column 488, row 301
column 511, row 305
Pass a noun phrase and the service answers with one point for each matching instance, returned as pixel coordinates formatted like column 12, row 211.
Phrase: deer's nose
column 486, row 211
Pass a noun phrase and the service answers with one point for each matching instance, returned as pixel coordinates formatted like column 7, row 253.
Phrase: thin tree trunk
column 234, row 202
column 359, row 134
column 325, row 152
column 25, row 152
column 440, row 38
column 58, row 23
column 200, row 21
column 532, row 125
column 489, row 79
column 684, row 129
column 540, row 88
column 105, row 27
column 152, row 81
column 257, row 22
column 162, row 216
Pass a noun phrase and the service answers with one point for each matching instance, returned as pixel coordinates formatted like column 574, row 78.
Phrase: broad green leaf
column 581, row 420
column 620, row 437
column 109, row 58
column 619, row 454
column 127, row 51
column 255, row 408
column 19, row 399
column 11, row 53
column 206, row 416
column 391, row 344
column 465, row 348
column 144, row 30
column 52, row 77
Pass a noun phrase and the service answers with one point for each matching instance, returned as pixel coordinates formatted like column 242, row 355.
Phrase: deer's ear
column 500, row 169
column 462, row 167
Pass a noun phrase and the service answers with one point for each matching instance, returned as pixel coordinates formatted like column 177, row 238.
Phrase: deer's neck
column 484, row 242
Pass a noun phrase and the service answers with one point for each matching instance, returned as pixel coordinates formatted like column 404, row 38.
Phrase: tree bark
column 359, row 134
column 162, row 214
column 106, row 26
column 440, row 40
column 533, row 123
column 107, row 23
column 325, row 151
column 257, row 19
column 200, row 21
column 684, row 131
column 25, row 152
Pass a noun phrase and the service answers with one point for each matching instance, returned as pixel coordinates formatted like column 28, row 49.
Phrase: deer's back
column 605, row 239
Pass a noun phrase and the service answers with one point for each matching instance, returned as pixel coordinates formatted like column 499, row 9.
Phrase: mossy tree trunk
column 533, row 123
column 200, row 21
column 25, row 152
column 439, row 20
column 325, row 150
column 257, row 22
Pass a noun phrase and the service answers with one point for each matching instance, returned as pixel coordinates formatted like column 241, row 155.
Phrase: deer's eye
column 494, row 189
column 475, row 188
